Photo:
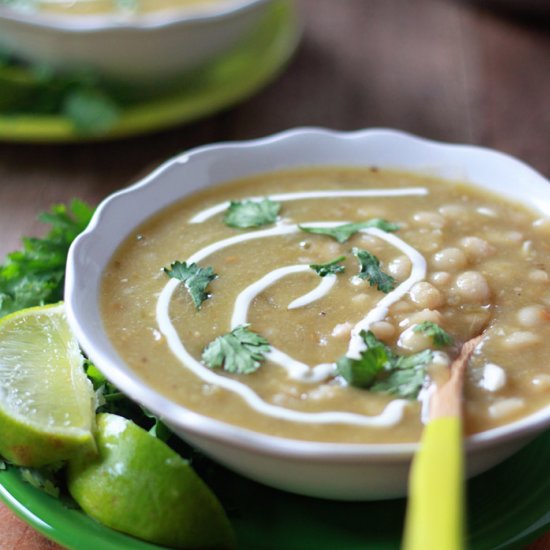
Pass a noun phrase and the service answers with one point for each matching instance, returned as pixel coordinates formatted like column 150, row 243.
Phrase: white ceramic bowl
column 140, row 48
column 341, row 471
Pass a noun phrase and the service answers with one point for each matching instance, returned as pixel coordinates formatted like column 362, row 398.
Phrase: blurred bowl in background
column 156, row 45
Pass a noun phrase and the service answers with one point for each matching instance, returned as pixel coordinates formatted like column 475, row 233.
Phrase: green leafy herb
column 374, row 359
column 3, row 465
column 343, row 232
column 440, row 337
column 92, row 111
column 330, row 268
column 159, row 428
column 43, row 479
column 240, row 351
column 35, row 275
column 379, row 369
column 370, row 270
column 195, row 279
column 403, row 383
column 90, row 103
column 243, row 214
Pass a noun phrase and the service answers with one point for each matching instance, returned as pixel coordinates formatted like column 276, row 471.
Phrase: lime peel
column 140, row 486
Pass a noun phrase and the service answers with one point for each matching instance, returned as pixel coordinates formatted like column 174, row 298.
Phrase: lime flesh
column 46, row 402
column 139, row 486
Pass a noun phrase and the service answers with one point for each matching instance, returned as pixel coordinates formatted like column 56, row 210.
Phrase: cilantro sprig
column 379, row 369
column 344, row 232
column 330, row 268
column 35, row 275
column 369, row 269
column 441, row 338
column 194, row 278
column 240, row 351
column 245, row 214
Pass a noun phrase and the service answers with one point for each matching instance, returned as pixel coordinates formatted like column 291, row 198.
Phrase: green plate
column 509, row 507
column 231, row 78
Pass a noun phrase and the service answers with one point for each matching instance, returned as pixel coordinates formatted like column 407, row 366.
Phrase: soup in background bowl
column 291, row 321
column 128, row 41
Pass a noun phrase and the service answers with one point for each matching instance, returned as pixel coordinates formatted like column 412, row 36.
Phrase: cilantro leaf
column 370, row 270
column 35, row 275
column 362, row 372
column 440, row 337
column 243, row 214
column 240, row 351
column 330, row 268
column 91, row 111
column 345, row 231
column 402, row 383
column 379, row 369
column 195, row 279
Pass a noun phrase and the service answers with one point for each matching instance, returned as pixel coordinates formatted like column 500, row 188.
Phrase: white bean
column 429, row 219
column 383, row 330
column 454, row 211
column 520, row 339
column 450, row 259
column 472, row 287
column 505, row 407
column 431, row 315
column 414, row 341
column 425, row 295
column 400, row 267
column 476, row 248
column 440, row 278
column 532, row 316
column 538, row 276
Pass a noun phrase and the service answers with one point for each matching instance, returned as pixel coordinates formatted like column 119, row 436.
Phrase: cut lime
column 139, row 486
column 46, row 402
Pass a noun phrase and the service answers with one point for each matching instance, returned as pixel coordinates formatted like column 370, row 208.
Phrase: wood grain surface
column 442, row 69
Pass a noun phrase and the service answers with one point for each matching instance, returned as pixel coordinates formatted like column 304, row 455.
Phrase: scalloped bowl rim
column 216, row 430
column 149, row 21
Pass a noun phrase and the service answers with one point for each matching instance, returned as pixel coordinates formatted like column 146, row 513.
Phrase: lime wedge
column 46, row 402
column 139, row 486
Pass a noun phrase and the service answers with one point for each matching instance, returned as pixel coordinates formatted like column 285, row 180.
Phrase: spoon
column 435, row 514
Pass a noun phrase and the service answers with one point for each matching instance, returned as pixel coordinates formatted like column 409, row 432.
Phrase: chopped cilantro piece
column 243, row 214
column 403, row 383
column 195, row 279
column 91, row 111
column 440, row 337
column 240, row 351
column 370, row 270
column 379, row 369
column 363, row 372
column 35, row 275
column 330, row 268
column 343, row 232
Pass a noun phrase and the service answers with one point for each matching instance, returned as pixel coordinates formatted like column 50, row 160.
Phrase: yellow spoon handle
column 435, row 516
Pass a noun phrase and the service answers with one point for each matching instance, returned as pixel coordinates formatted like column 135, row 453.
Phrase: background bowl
column 158, row 45
column 330, row 470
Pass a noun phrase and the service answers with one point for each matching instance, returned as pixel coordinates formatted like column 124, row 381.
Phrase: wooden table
column 439, row 68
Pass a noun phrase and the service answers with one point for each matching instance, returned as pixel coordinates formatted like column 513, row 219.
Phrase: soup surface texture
column 347, row 351
column 120, row 7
